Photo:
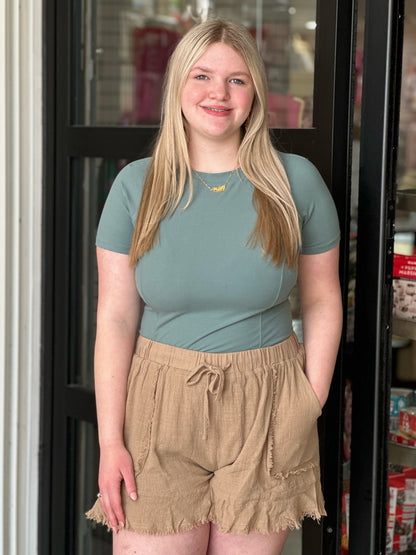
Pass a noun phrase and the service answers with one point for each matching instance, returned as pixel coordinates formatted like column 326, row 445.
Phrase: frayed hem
column 129, row 527
column 98, row 518
column 282, row 525
column 294, row 472
column 186, row 527
column 270, row 446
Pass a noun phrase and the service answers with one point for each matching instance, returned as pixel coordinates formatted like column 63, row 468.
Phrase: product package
column 404, row 286
column 402, row 439
column 410, row 506
column 407, row 421
column 400, row 398
column 396, row 538
column 401, row 510
column 345, row 516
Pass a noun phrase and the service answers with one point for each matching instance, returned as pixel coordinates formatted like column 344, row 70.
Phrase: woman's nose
column 219, row 90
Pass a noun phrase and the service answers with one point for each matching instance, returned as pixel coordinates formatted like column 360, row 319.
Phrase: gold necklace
column 218, row 189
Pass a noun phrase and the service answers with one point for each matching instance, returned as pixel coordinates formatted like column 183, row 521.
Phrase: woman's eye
column 201, row 77
column 237, row 81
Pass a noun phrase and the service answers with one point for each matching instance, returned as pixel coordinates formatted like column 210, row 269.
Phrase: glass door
column 105, row 65
column 371, row 362
column 401, row 506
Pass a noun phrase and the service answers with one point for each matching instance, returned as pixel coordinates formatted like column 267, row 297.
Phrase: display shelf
column 402, row 454
column 406, row 200
column 404, row 328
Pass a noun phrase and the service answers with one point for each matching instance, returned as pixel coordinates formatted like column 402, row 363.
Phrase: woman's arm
column 117, row 325
column 320, row 297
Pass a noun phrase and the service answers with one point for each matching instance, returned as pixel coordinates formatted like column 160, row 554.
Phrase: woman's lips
column 219, row 111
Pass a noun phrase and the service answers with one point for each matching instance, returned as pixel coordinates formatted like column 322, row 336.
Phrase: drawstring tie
column 215, row 384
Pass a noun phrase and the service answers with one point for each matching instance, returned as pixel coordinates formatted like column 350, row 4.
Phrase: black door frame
column 61, row 401
column 383, row 44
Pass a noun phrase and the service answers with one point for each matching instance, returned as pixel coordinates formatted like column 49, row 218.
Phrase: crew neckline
column 216, row 174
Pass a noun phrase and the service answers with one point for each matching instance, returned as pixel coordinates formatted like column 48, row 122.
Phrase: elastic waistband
column 187, row 359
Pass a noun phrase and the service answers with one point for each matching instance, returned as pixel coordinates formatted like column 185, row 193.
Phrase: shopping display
column 401, row 510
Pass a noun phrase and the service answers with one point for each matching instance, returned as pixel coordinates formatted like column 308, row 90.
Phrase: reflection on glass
column 91, row 181
column 85, row 538
column 350, row 363
column 121, row 53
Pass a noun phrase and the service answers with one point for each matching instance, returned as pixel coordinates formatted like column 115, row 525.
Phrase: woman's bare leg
column 250, row 544
column 194, row 542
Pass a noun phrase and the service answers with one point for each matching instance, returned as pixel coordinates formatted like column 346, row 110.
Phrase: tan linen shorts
column 229, row 438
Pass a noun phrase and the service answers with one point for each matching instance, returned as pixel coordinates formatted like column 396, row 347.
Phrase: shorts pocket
column 140, row 409
column 293, row 435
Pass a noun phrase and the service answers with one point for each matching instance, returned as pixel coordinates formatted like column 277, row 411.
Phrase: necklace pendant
column 219, row 189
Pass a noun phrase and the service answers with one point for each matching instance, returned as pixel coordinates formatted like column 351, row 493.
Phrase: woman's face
column 218, row 94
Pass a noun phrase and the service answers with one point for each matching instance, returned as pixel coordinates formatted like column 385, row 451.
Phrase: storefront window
column 123, row 48
column 91, row 182
column 87, row 538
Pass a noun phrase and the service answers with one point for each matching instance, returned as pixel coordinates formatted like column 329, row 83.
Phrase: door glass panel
column 91, row 181
column 121, row 50
column 401, row 510
column 86, row 537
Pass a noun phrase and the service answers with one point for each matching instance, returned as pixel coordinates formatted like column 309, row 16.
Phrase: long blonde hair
column 277, row 226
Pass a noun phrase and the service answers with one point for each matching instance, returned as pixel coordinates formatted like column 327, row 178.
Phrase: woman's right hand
column 118, row 315
column 116, row 466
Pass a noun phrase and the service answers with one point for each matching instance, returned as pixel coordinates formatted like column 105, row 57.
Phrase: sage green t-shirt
column 203, row 288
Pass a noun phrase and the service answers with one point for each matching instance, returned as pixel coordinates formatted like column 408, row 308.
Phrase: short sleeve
column 118, row 218
column 317, row 213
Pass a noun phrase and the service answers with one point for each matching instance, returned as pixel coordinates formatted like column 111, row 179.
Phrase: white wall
column 20, row 271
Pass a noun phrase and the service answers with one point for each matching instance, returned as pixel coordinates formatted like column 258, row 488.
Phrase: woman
column 208, row 440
